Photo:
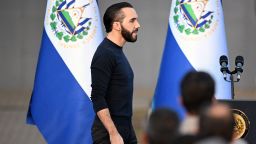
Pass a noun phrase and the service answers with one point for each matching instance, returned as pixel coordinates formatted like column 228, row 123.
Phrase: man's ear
column 116, row 26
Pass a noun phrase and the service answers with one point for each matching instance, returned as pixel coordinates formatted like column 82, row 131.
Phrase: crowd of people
column 207, row 121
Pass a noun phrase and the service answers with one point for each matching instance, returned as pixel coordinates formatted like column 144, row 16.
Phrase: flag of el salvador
column 60, row 104
column 195, row 40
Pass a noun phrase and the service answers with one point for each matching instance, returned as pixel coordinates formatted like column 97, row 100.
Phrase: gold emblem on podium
column 241, row 125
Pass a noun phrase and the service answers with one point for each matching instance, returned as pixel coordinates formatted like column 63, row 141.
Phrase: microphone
column 224, row 65
column 239, row 66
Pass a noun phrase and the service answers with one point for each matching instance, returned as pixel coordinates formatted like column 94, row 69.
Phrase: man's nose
column 137, row 24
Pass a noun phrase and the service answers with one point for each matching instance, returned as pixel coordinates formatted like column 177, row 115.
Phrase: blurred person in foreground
column 161, row 128
column 197, row 90
column 216, row 125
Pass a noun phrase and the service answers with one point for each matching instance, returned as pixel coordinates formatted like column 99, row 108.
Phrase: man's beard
column 128, row 35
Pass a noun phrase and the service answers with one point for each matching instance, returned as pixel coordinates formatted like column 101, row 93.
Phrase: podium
column 247, row 108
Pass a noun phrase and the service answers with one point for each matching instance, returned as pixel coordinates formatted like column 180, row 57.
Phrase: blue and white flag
column 60, row 105
column 195, row 41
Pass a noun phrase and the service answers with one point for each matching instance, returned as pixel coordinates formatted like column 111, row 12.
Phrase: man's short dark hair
column 113, row 14
column 162, row 126
column 197, row 89
column 216, row 121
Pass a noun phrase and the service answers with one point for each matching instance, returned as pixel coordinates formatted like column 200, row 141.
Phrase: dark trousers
column 124, row 126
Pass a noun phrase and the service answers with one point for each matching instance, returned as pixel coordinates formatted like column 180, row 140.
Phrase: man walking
column 112, row 78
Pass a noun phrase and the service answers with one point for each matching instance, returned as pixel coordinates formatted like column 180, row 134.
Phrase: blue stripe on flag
column 70, row 3
column 62, row 4
column 173, row 67
column 81, row 24
column 206, row 15
column 78, row 31
column 201, row 24
column 87, row 4
column 84, row 21
column 59, row 107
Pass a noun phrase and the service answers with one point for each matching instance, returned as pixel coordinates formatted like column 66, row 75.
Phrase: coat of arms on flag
column 70, row 20
column 193, row 16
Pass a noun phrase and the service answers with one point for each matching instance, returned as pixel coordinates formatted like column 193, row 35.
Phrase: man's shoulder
column 104, row 47
column 104, row 50
column 103, row 54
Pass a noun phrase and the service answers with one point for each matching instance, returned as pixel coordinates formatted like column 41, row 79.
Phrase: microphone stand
column 232, row 86
column 225, row 70
column 232, row 81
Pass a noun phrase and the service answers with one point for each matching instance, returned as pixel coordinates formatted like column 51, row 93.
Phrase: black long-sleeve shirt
column 112, row 80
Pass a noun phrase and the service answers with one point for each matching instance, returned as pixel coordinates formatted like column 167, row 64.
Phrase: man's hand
column 115, row 138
